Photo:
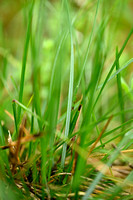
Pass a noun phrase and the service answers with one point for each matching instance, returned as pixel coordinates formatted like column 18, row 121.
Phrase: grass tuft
column 66, row 115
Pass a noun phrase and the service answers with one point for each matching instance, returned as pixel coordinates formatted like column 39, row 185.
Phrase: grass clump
column 66, row 106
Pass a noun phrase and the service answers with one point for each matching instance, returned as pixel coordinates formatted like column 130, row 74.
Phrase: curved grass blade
column 113, row 66
column 27, row 110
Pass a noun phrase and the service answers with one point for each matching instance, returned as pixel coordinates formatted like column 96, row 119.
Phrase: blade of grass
column 15, row 116
column 36, row 46
column 25, row 53
column 113, row 66
column 53, row 103
column 31, row 130
column 88, row 49
column 70, row 93
column 27, row 109
column 117, row 72
column 74, row 120
column 120, row 96
column 51, row 113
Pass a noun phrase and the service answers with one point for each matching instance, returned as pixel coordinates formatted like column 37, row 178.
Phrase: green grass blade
column 88, row 48
column 74, row 120
column 28, row 34
column 55, row 63
column 27, row 110
column 51, row 113
column 53, row 103
column 118, row 72
column 113, row 66
column 120, row 96
column 15, row 116
column 31, row 130
column 36, row 47
column 70, row 93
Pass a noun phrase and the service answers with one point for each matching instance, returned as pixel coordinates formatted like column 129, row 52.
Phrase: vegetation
column 66, row 94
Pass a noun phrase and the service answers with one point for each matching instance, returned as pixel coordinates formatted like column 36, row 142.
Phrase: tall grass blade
column 36, row 46
column 120, row 96
column 28, row 34
column 53, row 104
column 88, row 48
column 70, row 93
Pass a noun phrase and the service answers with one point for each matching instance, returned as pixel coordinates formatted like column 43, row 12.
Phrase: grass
column 66, row 100
column 70, row 93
